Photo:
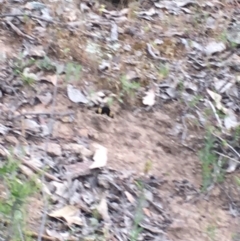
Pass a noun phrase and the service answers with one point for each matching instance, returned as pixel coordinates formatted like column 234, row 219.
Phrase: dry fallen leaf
column 45, row 99
column 70, row 213
column 103, row 209
column 214, row 47
column 230, row 120
column 76, row 95
column 130, row 197
column 149, row 99
column 51, row 79
column 217, row 99
column 56, row 235
column 100, row 157
column 232, row 166
column 28, row 75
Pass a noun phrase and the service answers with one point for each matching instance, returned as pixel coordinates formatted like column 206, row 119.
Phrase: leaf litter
column 208, row 66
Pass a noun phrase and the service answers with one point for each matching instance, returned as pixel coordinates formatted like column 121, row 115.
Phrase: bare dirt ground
column 135, row 135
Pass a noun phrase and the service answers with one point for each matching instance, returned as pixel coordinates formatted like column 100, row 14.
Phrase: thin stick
column 230, row 158
column 233, row 149
column 215, row 113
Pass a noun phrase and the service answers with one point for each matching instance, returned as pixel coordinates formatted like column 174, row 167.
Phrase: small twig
column 223, row 155
column 233, row 149
column 215, row 113
column 44, row 113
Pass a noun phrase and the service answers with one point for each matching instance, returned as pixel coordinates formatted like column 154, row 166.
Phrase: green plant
column 236, row 135
column 46, row 64
column 20, row 64
column 211, row 170
column 128, row 88
column 28, row 80
column 211, row 232
column 194, row 102
column 163, row 70
column 139, row 209
column 223, row 37
column 18, row 190
column 72, row 71
column 138, row 214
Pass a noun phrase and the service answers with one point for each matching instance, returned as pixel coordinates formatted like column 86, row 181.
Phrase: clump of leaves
column 127, row 88
column 17, row 192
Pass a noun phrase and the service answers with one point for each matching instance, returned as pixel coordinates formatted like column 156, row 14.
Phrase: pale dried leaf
column 230, row 120
column 28, row 75
column 217, row 99
column 3, row 129
column 76, row 95
column 149, row 99
column 34, row 5
column 114, row 32
column 51, row 79
column 31, row 125
column 57, row 235
column 130, row 197
column 100, row 157
column 214, row 47
column 45, row 98
column 103, row 209
column 70, row 213
column 61, row 188
column 232, row 166
column 37, row 51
